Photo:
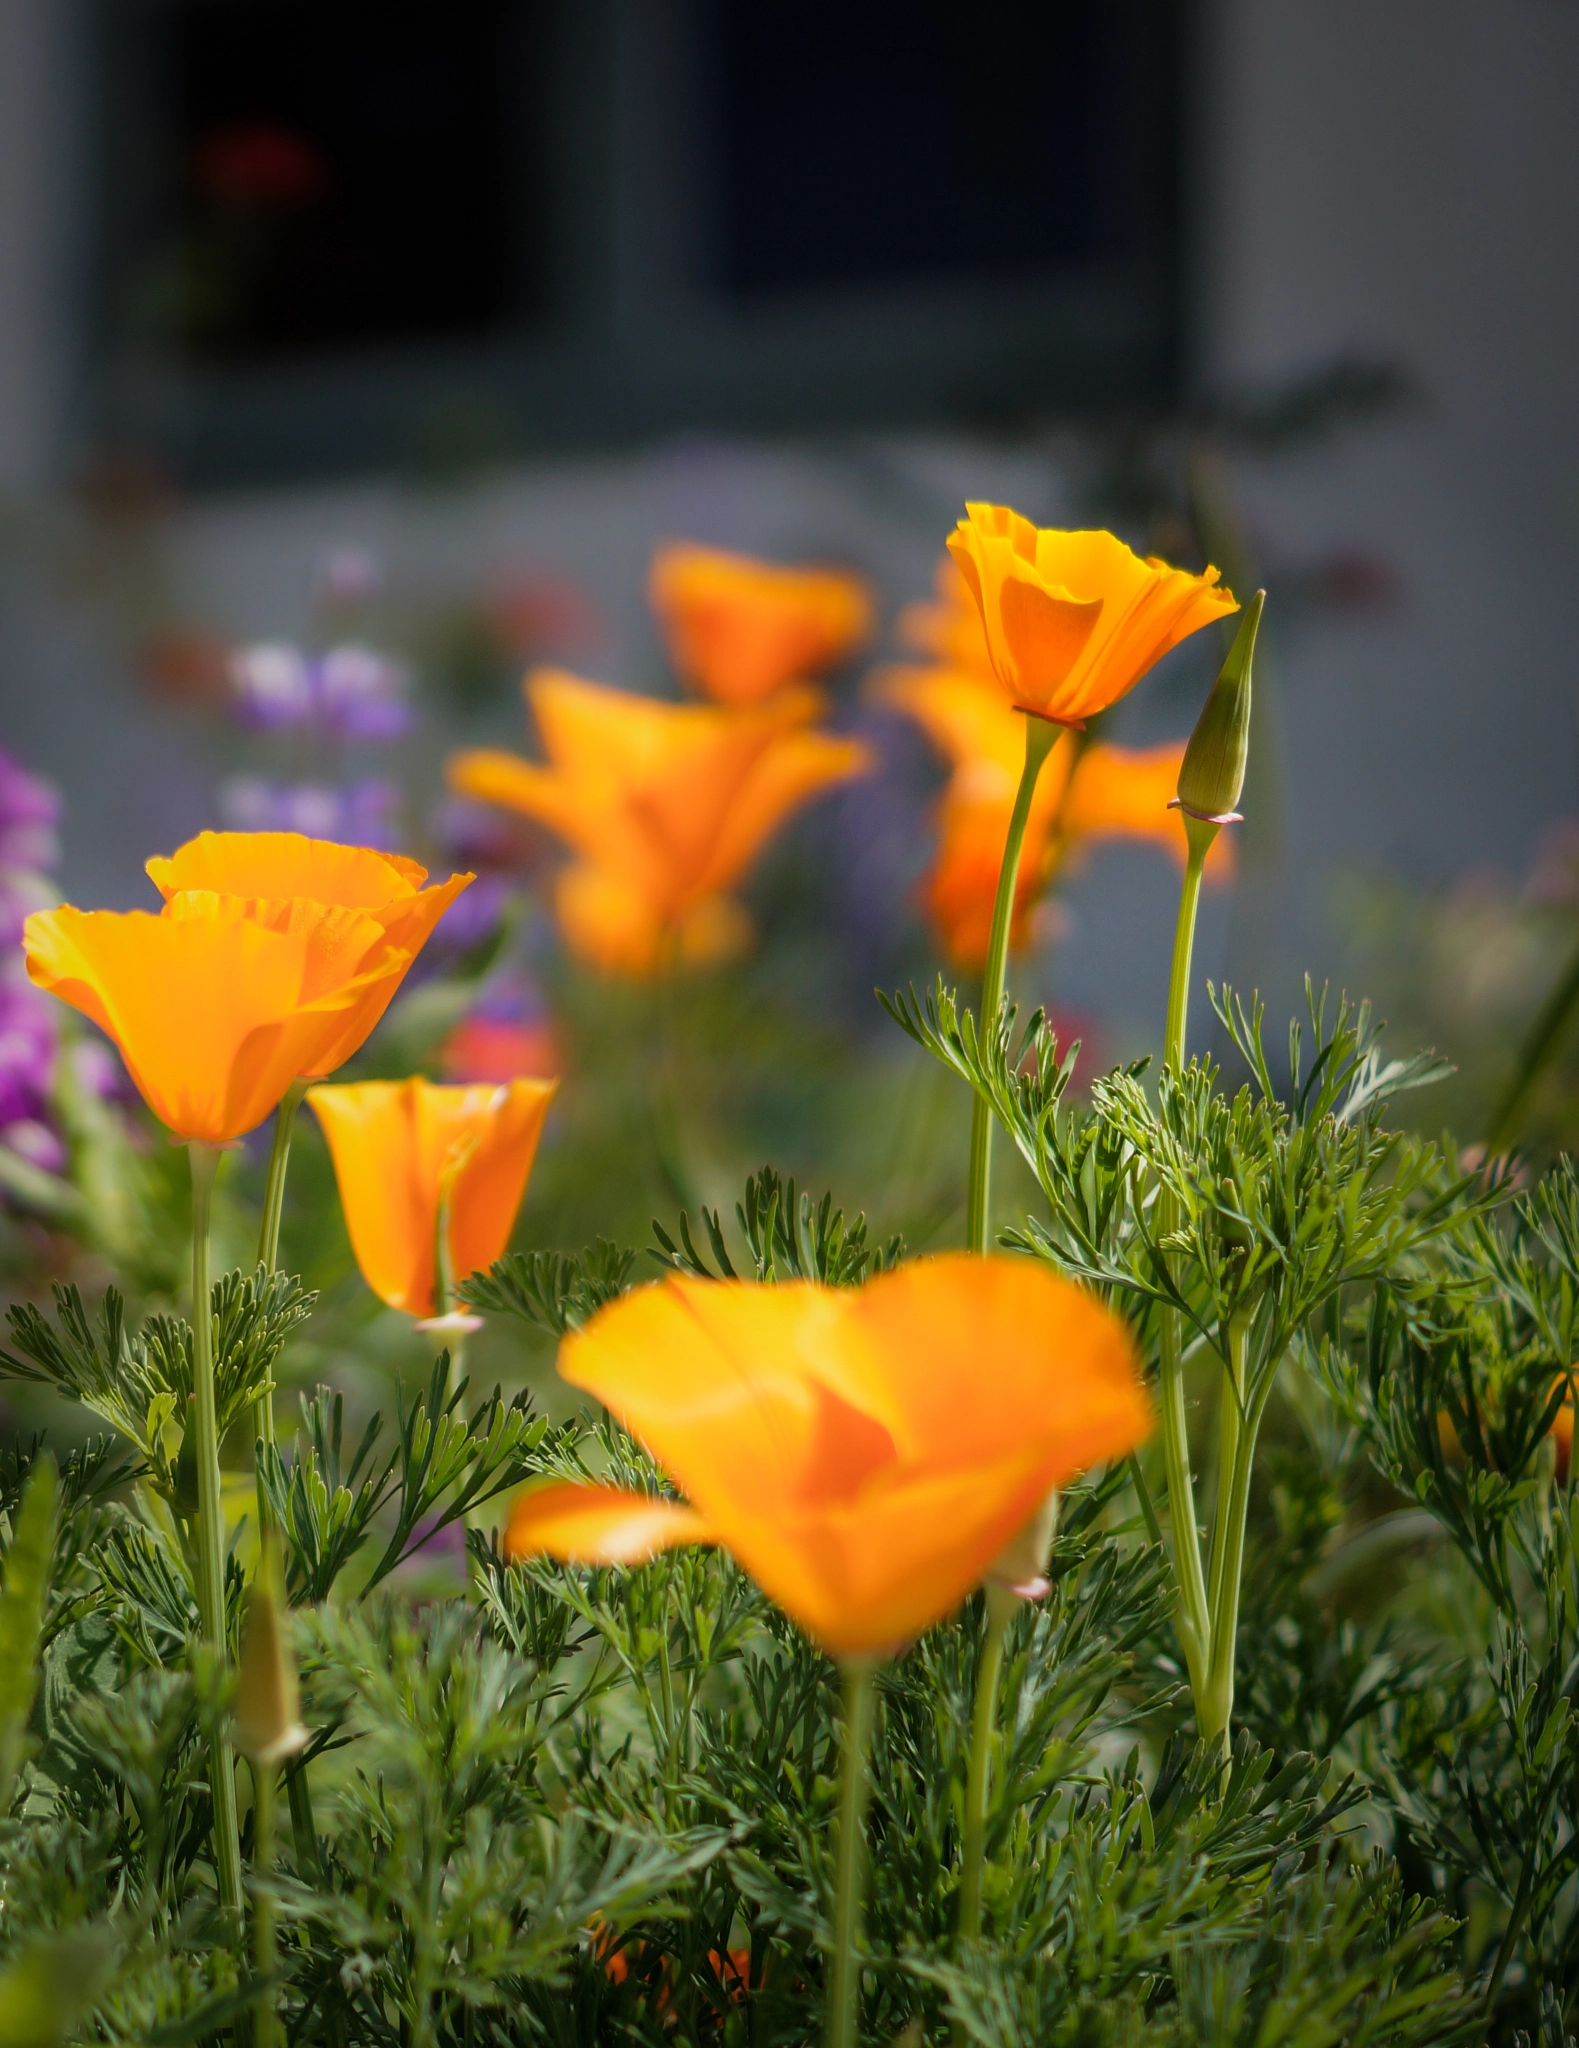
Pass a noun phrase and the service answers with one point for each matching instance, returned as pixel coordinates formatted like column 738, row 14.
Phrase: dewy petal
column 866, row 1453
column 397, row 1145
column 598, row 1525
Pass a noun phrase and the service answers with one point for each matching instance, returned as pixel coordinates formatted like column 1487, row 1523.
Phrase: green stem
column 1001, row 1604
column 269, row 1256
column 211, row 1524
column 1040, row 738
column 844, row 1995
column 265, row 2024
column 1540, row 1041
column 1194, row 1613
column 1215, row 1710
column 304, row 1830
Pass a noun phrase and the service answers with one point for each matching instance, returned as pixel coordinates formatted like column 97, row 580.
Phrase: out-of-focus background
column 415, row 329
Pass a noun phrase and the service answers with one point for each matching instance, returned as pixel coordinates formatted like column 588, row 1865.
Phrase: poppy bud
column 1020, row 1566
column 1214, row 762
column 267, row 1719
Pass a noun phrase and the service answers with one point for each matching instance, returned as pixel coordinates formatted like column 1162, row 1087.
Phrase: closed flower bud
column 1214, row 762
column 267, row 1726
column 1020, row 1567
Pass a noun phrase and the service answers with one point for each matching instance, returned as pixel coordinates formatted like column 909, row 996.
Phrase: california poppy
column 666, row 806
column 215, row 1012
column 739, row 629
column 279, row 872
column 1109, row 793
column 403, row 1150
column 865, row 1453
column 1073, row 620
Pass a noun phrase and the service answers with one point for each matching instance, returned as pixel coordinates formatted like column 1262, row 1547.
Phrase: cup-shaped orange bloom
column 404, row 1149
column 1110, row 793
column 865, row 1453
column 1074, row 620
column 739, row 629
column 278, row 873
column 223, row 1000
column 947, row 628
column 665, row 805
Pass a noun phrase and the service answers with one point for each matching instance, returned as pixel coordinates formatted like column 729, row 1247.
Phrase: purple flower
column 273, row 684
column 29, row 813
column 472, row 917
column 27, row 1052
column 21, row 893
column 35, row 1142
column 360, row 814
column 349, row 574
column 361, row 694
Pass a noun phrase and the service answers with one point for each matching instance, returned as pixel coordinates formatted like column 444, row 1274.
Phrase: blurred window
column 335, row 234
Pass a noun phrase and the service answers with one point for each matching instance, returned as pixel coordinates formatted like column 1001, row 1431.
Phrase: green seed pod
column 268, row 1703
column 1214, row 762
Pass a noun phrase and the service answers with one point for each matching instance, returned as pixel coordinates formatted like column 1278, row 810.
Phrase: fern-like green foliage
column 788, row 1236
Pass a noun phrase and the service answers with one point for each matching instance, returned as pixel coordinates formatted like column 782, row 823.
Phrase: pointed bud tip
column 1213, row 774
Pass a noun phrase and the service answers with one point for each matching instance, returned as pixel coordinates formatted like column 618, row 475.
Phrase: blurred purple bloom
column 273, row 684
column 361, row 694
column 472, row 917
column 21, row 893
column 477, row 835
column 29, row 813
column 362, row 814
column 349, row 574
column 510, row 997
column 35, row 1142
column 27, row 1052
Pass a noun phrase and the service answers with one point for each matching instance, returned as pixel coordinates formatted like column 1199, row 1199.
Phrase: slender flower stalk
column 274, row 1189
column 210, row 1522
column 1040, row 737
column 265, row 2019
column 1001, row 1603
column 844, row 1993
column 1210, row 782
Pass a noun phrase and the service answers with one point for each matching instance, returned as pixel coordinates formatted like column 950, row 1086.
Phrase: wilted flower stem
column 860, row 1675
column 1040, row 738
column 211, row 1523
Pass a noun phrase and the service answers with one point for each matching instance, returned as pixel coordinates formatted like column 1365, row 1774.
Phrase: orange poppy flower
column 1113, row 793
column 403, row 1149
column 280, row 872
column 666, row 806
column 948, row 627
column 1072, row 621
column 216, row 1011
column 739, row 629
column 865, row 1453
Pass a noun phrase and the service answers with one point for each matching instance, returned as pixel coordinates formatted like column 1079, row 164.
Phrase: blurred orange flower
column 277, row 872
column 1112, row 792
column 265, row 964
column 865, row 1453
column 739, row 629
column 948, row 627
column 402, row 1150
column 666, row 806
column 1072, row 621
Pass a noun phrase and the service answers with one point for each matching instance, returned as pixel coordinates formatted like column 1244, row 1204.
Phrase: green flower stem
column 844, row 1994
column 265, row 2025
column 274, row 1186
column 1194, row 1615
column 1236, row 1458
column 1001, row 1604
column 269, row 1256
column 1040, row 739
column 211, row 1523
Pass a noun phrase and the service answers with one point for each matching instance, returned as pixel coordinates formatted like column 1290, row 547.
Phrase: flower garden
column 1148, row 1615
